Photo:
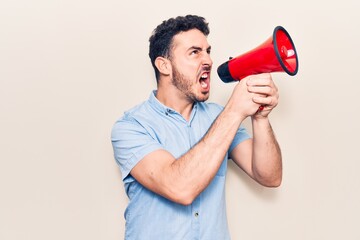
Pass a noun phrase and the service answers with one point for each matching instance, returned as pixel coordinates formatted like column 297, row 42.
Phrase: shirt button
column 196, row 214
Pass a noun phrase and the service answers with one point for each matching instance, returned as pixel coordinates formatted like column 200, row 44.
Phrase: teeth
column 205, row 75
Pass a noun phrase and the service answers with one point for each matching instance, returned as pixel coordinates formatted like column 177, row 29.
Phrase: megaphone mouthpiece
column 224, row 73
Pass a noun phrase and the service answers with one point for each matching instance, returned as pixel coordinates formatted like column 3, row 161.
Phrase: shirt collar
column 158, row 106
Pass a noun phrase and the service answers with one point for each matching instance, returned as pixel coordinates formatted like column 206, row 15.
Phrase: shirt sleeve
column 131, row 143
column 240, row 136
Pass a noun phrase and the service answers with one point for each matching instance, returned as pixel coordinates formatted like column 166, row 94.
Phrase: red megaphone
column 277, row 54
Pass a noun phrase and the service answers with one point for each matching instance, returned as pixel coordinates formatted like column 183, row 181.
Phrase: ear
column 163, row 65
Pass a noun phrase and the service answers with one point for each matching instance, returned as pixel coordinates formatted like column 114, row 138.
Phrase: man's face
column 191, row 65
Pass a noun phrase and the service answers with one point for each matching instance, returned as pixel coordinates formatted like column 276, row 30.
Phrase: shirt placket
column 196, row 218
column 195, row 206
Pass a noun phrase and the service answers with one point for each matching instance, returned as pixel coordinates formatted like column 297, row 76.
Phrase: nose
column 207, row 59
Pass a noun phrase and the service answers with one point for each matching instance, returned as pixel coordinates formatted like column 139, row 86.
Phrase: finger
column 265, row 101
column 260, row 80
column 263, row 90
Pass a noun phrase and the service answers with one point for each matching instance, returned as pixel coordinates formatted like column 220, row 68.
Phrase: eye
column 194, row 52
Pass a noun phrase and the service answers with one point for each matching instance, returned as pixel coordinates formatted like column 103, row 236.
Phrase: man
column 173, row 149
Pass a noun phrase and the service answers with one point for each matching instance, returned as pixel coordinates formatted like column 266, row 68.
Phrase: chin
column 203, row 97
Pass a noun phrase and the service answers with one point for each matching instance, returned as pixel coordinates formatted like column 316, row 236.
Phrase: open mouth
column 205, row 80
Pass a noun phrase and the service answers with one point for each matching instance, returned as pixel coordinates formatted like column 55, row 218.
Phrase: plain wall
column 70, row 68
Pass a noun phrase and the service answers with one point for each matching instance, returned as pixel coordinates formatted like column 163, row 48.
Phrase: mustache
column 206, row 69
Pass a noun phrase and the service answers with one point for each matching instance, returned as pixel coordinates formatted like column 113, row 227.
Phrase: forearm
column 267, row 160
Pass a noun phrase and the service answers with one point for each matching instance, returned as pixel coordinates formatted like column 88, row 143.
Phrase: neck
column 171, row 98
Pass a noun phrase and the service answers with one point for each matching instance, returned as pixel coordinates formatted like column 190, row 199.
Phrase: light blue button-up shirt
column 151, row 126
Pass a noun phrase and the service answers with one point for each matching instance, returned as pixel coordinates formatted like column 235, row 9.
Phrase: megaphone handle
column 260, row 108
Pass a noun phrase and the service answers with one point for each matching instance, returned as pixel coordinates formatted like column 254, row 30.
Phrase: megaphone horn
column 277, row 54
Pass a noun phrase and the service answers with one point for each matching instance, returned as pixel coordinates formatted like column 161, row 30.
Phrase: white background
column 70, row 68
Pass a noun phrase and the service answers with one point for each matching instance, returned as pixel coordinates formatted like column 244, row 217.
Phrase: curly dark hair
column 162, row 36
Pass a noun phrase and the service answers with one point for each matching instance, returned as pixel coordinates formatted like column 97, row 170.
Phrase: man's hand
column 254, row 96
column 265, row 93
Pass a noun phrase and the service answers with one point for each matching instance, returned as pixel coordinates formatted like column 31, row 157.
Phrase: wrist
column 232, row 110
column 259, row 119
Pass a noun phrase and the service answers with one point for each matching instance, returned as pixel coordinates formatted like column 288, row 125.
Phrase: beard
column 186, row 85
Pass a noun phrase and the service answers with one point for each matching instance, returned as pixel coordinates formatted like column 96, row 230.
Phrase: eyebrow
column 199, row 48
